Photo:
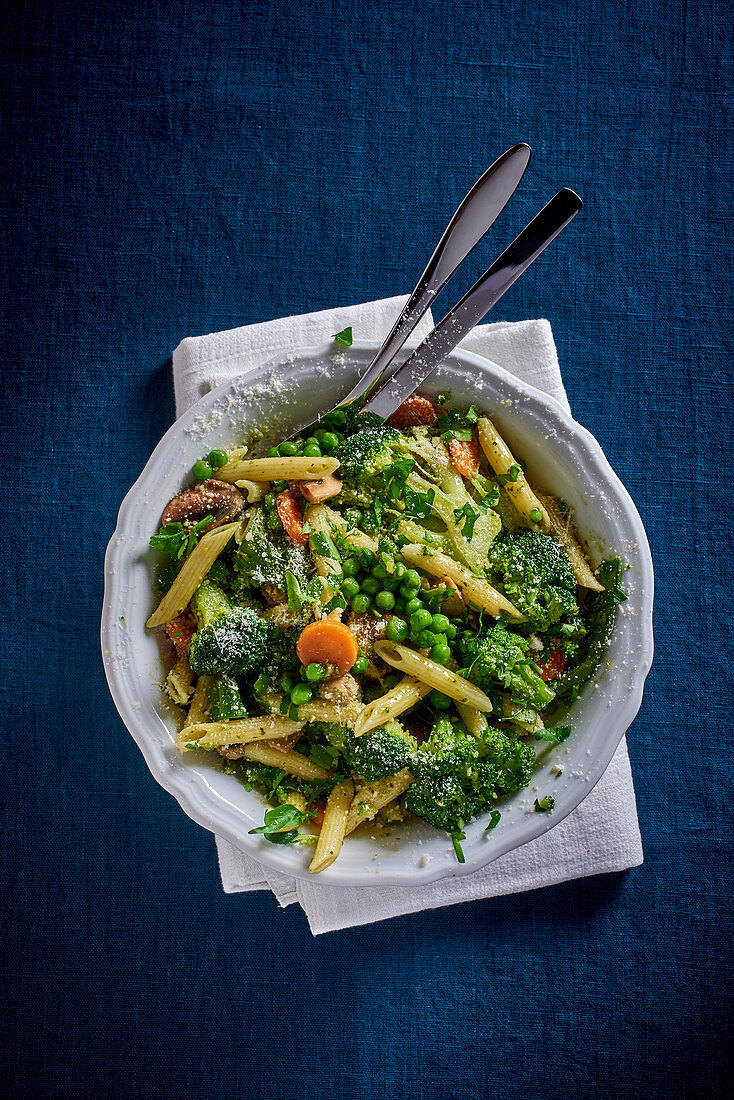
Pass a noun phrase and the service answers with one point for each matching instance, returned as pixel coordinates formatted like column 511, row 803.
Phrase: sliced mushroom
column 208, row 498
column 324, row 489
column 342, row 690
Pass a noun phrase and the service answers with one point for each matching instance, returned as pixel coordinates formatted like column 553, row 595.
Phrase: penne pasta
column 476, row 592
column 473, row 719
column 277, row 469
column 253, row 490
column 180, row 681
column 198, row 708
column 319, row 524
column 334, row 827
column 373, row 797
column 433, row 674
column 194, row 569
column 240, row 731
column 394, row 702
column 359, row 539
column 294, row 763
column 502, row 461
column 564, row 532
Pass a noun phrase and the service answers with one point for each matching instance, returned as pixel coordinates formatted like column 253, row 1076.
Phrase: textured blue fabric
column 173, row 169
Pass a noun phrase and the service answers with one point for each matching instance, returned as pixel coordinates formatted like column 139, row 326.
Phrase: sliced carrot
column 328, row 642
column 465, row 456
column 414, row 412
column 317, row 809
column 289, row 514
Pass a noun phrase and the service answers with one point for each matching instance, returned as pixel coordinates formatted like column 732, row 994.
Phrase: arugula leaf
column 298, row 595
column 323, row 544
column 466, row 517
column 344, row 338
column 457, row 425
column 555, row 736
column 418, row 505
column 172, row 537
column 281, row 824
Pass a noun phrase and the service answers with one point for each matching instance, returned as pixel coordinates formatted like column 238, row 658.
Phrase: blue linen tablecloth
column 178, row 169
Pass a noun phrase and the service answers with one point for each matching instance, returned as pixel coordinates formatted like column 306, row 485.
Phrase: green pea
column 450, row 632
column 217, row 458
column 412, row 576
column 202, row 470
column 350, row 587
column 385, row 600
column 439, row 701
column 311, row 441
column 420, row 619
column 315, row 672
column 360, row 603
column 360, row 665
column 411, row 606
column 301, row 694
column 425, row 639
column 379, row 571
column 286, row 682
column 353, row 516
column 287, row 450
column 350, row 567
column 397, row 629
column 409, row 591
column 329, row 441
column 337, row 418
column 370, row 585
column 390, row 584
column 399, row 573
column 312, row 451
column 273, row 453
column 439, row 624
column 440, row 654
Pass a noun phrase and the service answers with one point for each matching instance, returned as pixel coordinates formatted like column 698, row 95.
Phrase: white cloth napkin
column 602, row 834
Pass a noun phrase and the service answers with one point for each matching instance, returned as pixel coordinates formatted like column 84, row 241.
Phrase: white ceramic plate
column 560, row 455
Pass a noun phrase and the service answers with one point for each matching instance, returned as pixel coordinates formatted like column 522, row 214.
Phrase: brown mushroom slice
column 324, row 489
column 208, row 498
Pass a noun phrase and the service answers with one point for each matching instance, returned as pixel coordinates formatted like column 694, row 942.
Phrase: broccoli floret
column 230, row 640
column 449, row 749
column 498, row 658
column 512, row 760
column 381, row 752
column 264, row 557
column 536, row 576
column 333, row 733
column 225, row 701
column 366, row 453
column 441, row 801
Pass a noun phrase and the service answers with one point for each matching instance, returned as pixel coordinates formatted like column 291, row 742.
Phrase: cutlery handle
column 489, row 288
column 478, row 210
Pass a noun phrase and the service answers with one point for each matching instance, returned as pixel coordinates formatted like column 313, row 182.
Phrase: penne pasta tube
column 564, row 532
column 372, row 798
column 359, row 539
column 294, row 763
column 334, row 827
column 394, row 702
column 198, row 709
column 240, row 731
column 319, row 524
column 180, row 681
column 253, row 490
column 477, row 593
column 434, row 675
column 502, row 461
column 277, row 469
column 473, row 719
column 194, row 569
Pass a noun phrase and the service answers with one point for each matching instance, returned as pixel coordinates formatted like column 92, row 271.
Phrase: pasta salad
column 377, row 621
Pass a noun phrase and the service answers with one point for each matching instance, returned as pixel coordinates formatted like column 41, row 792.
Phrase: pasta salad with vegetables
column 378, row 621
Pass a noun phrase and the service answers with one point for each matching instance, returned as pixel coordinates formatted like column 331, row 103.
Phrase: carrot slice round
column 328, row 642
column 464, row 456
column 289, row 515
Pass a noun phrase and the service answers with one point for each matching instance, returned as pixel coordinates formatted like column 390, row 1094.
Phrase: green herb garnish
column 176, row 541
column 344, row 338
